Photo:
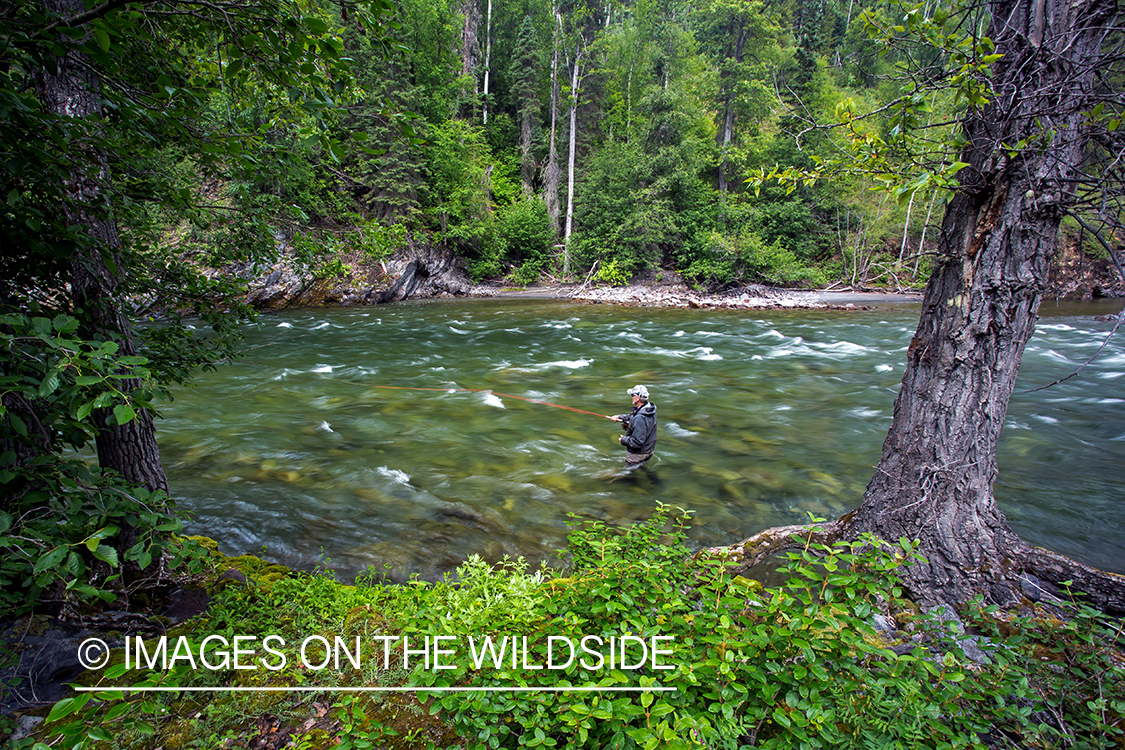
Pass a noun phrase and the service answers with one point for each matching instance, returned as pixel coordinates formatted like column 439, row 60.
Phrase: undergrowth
column 735, row 665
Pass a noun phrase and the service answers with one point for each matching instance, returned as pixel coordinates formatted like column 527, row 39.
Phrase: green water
column 764, row 417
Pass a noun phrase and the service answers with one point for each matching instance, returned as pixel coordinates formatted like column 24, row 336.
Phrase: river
column 302, row 453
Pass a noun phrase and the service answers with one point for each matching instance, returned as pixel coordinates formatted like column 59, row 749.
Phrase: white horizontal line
column 344, row 689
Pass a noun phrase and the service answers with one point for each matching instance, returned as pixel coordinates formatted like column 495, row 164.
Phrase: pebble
column 762, row 298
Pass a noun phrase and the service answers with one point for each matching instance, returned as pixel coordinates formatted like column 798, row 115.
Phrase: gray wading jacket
column 640, row 431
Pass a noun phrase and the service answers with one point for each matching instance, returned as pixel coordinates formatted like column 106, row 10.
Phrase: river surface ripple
column 765, row 417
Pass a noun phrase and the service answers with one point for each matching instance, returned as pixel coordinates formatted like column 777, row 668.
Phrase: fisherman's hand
column 613, row 417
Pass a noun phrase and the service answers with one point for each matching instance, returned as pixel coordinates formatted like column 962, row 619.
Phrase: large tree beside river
column 112, row 117
column 1035, row 149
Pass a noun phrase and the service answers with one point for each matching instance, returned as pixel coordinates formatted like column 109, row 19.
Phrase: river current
column 302, row 453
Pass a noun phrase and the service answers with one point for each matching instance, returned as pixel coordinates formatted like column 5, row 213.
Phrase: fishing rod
column 496, row 393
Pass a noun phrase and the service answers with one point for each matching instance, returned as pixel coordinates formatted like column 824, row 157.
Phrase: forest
column 618, row 137
column 623, row 138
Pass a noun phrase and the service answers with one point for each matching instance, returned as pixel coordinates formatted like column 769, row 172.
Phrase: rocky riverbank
column 423, row 270
column 751, row 297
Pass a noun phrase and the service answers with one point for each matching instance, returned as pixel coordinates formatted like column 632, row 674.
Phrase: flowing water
column 302, row 450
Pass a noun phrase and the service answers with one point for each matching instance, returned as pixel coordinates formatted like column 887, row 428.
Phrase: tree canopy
column 127, row 128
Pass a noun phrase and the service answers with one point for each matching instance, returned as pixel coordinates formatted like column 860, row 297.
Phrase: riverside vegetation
column 809, row 663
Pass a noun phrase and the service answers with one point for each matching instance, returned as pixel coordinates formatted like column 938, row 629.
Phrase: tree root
column 757, row 549
column 1100, row 589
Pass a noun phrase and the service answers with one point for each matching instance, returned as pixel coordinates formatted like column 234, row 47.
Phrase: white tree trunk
column 487, row 58
column 906, row 227
column 551, row 179
column 574, row 77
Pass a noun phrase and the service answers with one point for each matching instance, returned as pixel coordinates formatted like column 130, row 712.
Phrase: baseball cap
column 639, row 390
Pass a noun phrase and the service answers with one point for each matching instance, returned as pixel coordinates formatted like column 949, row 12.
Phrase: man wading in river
column 640, row 428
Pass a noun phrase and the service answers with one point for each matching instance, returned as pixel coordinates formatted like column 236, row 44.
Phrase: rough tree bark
column 934, row 480
column 527, row 163
column 728, row 117
column 72, row 91
column 571, row 156
column 526, row 78
column 551, row 178
column 470, row 50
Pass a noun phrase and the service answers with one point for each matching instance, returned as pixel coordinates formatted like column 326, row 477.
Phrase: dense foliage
column 636, row 125
column 140, row 145
column 796, row 665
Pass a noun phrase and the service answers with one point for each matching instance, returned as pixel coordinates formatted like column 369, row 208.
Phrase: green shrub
column 796, row 666
column 318, row 254
column 747, row 257
column 67, row 530
column 529, row 272
column 375, row 240
column 614, row 273
column 525, row 231
column 776, row 264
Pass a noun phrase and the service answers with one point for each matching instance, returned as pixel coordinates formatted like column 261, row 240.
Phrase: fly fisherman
column 640, row 428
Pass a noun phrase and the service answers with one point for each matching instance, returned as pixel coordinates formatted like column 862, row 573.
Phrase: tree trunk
column 526, row 58
column 571, row 159
column 934, row 480
column 487, row 60
column 728, row 118
column 551, row 179
column 72, row 91
column 527, row 164
column 906, row 227
column 470, row 49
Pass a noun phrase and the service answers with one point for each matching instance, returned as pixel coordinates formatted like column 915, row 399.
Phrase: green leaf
column 84, row 410
column 124, row 413
column 232, row 68
column 106, row 554
column 102, row 37
column 99, row 734
column 5, row 522
column 50, row 384
column 50, row 560
column 61, row 710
